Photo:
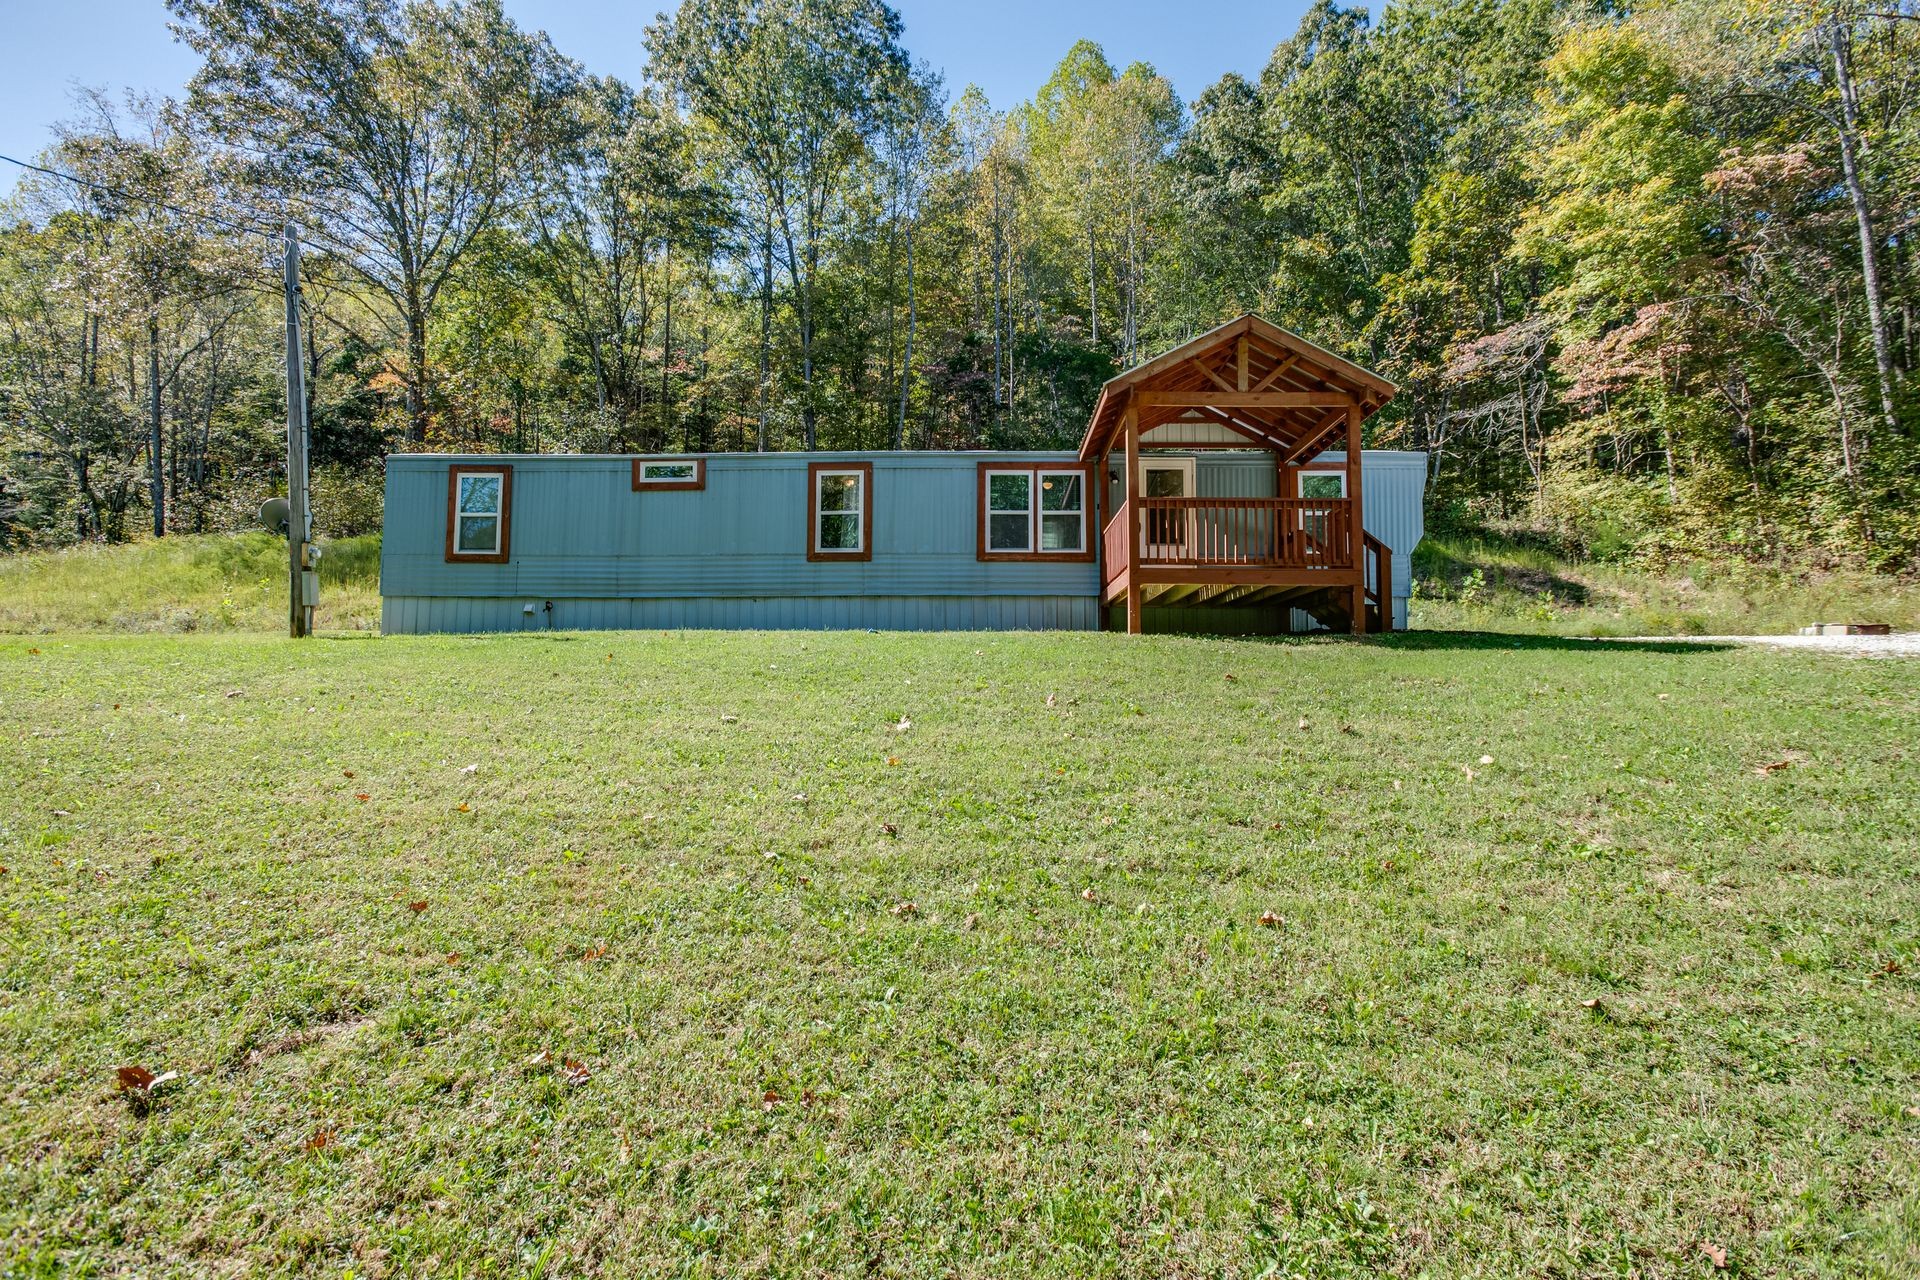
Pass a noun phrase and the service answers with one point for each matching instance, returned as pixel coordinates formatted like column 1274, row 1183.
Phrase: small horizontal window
column 479, row 513
column 669, row 473
column 1031, row 513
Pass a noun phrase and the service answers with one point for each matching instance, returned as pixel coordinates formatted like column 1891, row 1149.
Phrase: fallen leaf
column 1767, row 769
column 1050, row 700
column 453, row 957
column 417, row 907
column 1090, row 895
column 1716, row 1254
column 769, row 1100
column 362, row 796
column 1486, row 759
column 469, row 768
column 905, row 909
column 729, row 719
column 540, row 1059
column 33, row 651
column 464, row 807
column 140, row 1080
column 594, row 953
column 575, row 1072
column 1396, row 784
column 1349, row 730
column 1231, row 676
column 1303, row 723
column 904, row 725
column 322, row 1139
column 892, row 761
column 236, row 693
column 1268, row 920
column 889, row 829
column 1468, row 770
column 61, row 813
column 972, row 921
column 347, row 773
column 1592, row 1002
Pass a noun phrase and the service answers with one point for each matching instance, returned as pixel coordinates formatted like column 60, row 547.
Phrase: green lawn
column 988, row 995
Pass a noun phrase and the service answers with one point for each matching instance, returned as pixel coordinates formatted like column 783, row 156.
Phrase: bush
column 347, row 501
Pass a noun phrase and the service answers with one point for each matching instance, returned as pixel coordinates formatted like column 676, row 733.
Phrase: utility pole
column 303, row 581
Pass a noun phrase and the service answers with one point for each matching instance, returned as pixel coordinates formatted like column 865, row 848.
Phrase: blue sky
column 1007, row 47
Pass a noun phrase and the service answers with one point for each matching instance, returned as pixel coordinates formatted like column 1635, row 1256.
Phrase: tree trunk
column 157, row 485
column 416, row 373
column 906, row 360
column 766, row 321
column 1863, row 218
column 666, row 341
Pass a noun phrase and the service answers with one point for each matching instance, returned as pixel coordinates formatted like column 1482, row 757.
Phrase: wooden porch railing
column 1378, row 577
column 1113, row 544
column 1286, row 533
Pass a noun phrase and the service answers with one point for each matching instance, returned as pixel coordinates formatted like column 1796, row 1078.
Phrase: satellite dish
column 274, row 514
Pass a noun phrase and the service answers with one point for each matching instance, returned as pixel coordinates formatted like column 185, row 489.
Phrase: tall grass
column 1479, row 584
column 219, row 582
column 237, row 582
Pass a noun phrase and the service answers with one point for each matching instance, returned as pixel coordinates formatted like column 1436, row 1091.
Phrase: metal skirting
column 416, row 615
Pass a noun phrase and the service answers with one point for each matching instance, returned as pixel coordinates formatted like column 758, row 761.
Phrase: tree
column 794, row 91
column 395, row 133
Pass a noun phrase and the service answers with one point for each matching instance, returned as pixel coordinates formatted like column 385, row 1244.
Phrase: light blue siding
column 733, row 555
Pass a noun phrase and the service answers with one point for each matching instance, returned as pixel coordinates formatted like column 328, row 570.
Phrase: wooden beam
column 1310, row 443
column 1240, row 363
column 1131, row 421
column 1274, row 374
column 1244, row 399
column 1218, row 381
column 1237, row 575
column 1359, row 519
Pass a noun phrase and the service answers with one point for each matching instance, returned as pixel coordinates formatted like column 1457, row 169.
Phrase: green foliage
column 185, row 583
column 1644, row 275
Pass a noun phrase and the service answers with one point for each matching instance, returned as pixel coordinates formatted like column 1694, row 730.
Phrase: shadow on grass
column 1508, row 641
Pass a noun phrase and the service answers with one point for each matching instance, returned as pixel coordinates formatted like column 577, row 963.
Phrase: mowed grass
column 1639, row 989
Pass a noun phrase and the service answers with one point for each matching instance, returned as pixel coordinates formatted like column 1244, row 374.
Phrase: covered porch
column 1245, row 385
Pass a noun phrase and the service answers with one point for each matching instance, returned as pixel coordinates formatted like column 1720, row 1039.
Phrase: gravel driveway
column 1905, row 644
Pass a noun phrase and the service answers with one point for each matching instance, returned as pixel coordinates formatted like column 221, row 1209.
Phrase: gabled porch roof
column 1262, row 383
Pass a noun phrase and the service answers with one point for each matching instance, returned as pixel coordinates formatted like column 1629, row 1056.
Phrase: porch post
column 1357, row 534
column 1132, row 421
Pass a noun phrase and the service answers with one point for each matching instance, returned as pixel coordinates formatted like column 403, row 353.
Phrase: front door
column 1167, row 535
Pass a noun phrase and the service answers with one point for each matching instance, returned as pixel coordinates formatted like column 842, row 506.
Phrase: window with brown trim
column 1034, row 512
column 479, row 514
column 839, row 511
column 669, row 473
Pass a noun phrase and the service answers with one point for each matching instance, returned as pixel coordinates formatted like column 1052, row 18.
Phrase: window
column 669, row 473
column 1033, row 513
column 1319, row 486
column 479, row 514
column 1323, row 484
column 840, row 511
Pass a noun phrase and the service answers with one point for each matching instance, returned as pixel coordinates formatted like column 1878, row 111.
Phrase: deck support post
column 1358, row 533
column 1132, row 424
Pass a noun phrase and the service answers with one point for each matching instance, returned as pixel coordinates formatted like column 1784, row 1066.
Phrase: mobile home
column 1207, row 495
